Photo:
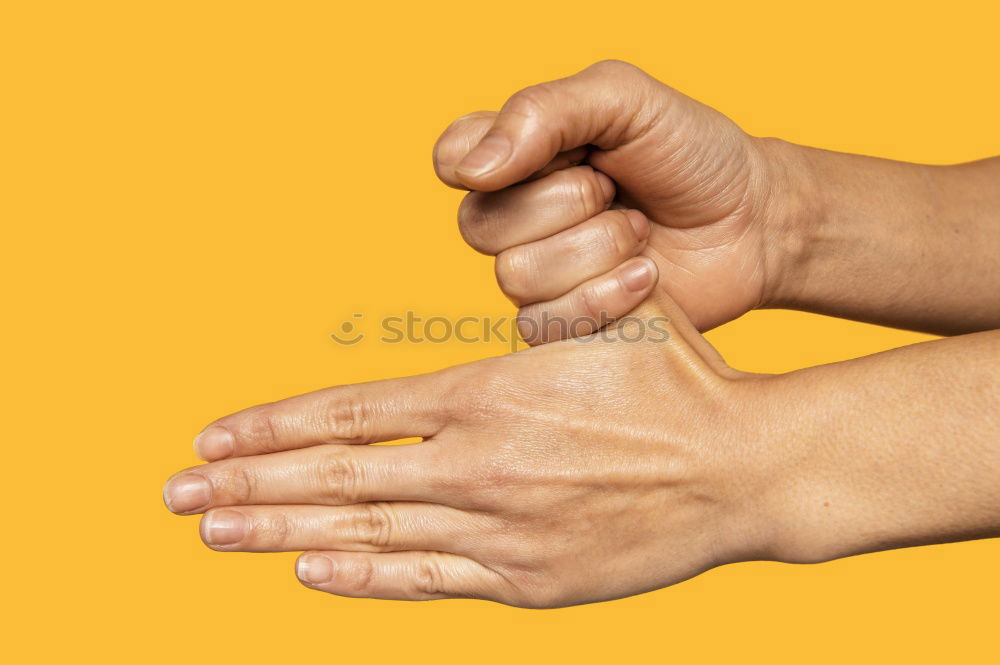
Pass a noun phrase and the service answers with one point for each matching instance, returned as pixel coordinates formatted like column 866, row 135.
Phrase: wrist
column 800, row 500
column 801, row 505
column 764, row 476
column 792, row 208
column 884, row 464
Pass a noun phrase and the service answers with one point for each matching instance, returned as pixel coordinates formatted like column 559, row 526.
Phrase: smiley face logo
column 347, row 335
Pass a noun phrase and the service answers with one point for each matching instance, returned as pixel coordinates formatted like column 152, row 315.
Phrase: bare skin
column 735, row 222
column 581, row 471
column 585, row 470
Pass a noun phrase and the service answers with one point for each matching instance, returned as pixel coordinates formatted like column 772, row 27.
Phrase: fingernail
column 607, row 185
column 314, row 569
column 490, row 154
column 214, row 443
column 639, row 223
column 637, row 276
column 186, row 493
column 224, row 527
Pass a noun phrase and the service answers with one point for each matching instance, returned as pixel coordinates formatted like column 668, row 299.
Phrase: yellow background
column 195, row 194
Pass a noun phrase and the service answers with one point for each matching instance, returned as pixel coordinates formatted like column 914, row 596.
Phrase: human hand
column 704, row 200
column 590, row 469
column 731, row 222
column 574, row 472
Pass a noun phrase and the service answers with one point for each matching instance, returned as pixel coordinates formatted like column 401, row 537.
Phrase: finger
column 548, row 268
column 494, row 221
column 359, row 413
column 563, row 160
column 602, row 105
column 465, row 133
column 457, row 141
column 400, row 576
column 590, row 306
column 322, row 475
column 364, row 527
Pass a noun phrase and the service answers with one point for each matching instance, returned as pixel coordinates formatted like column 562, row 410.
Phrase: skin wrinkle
column 583, row 471
column 572, row 503
column 682, row 169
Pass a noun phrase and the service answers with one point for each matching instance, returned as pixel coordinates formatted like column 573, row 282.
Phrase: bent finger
column 548, row 268
column 494, row 221
column 590, row 306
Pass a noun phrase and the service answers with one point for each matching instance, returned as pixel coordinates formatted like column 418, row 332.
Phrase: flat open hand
column 574, row 472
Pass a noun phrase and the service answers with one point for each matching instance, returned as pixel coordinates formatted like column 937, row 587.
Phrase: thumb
column 602, row 105
column 465, row 133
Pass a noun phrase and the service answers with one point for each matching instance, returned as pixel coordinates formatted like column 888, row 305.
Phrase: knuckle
column 259, row 428
column 535, row 102
column 483, row 394
column 275, row 530
column 585, row 194
column 360, row 576
column 373, row 525
column 613, row 237
column 347, row 417
column 497, row 475
column 428, row 576
column 236, row 483
column 337, row 477
column 531, row 101
column 487, row 482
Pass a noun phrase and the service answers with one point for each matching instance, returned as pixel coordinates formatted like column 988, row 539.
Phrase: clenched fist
column 584, row 188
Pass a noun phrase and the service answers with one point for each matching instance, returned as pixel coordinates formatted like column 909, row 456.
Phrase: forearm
column 896, row 449
column 899, row 244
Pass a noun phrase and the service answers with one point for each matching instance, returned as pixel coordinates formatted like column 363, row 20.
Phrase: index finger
column 360, row 413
